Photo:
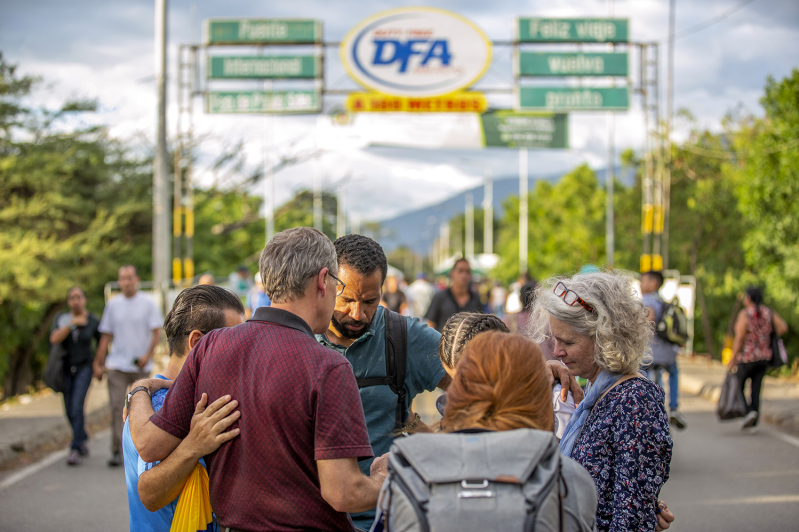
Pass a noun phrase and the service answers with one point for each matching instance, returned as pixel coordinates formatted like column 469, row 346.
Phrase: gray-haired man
column 302, row 425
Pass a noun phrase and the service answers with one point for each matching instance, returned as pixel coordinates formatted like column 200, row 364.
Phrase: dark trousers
column 76, row 385
column 755, row 371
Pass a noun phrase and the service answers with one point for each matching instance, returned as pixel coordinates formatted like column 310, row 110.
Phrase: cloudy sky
column 104, row 49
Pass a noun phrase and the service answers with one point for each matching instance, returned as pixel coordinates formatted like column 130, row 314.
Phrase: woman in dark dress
column 77, row 332
column 620, row 431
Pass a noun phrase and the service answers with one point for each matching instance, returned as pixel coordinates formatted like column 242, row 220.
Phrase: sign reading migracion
column 416, row 52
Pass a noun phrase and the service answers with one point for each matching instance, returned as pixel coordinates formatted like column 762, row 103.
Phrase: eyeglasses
column 571, row 298
column 338, row 282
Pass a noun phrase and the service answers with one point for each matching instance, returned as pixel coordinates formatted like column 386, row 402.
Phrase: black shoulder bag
column 396, row 358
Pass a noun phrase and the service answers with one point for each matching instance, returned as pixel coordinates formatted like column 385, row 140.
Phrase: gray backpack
column 509, row 481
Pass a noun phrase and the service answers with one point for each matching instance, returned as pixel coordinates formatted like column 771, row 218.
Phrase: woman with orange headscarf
column 498, row 421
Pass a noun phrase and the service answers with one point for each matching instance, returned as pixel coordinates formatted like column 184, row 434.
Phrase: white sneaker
column 750, row 420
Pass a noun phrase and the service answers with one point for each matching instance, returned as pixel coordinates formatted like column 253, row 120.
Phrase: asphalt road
column 87, row 497
column 721, row 480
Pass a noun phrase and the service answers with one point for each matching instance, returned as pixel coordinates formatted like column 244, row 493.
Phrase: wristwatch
column 132, row 392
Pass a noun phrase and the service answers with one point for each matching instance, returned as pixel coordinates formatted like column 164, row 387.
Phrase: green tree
column 768, row 186
column 73, row 206
column 565, row 227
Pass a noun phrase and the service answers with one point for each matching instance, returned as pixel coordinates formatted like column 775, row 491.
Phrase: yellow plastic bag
column 193, row 512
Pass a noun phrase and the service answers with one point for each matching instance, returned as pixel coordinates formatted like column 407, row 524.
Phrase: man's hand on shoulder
column 209, row 423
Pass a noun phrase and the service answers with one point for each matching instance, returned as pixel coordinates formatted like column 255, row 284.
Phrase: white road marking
column 34, row 468
column 765, row 499
column 47, row 461
column 782, row 436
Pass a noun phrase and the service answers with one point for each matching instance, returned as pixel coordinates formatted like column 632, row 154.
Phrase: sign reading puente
column 263, row 31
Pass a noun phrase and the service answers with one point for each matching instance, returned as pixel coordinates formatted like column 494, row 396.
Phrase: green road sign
column 572, row 30
column 306, row 101
column 525, row 130
column 263, row 67
column 262, row 31
column 574, row 99
column 572, row 64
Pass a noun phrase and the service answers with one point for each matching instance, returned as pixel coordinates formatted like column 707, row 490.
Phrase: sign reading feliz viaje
column 572, row 64
column 578, row 99
column 416, row 52
column 264, row 67
column 262, row 31
column 542, row 30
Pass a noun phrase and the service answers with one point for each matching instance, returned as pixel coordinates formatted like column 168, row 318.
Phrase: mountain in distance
column 417, row 230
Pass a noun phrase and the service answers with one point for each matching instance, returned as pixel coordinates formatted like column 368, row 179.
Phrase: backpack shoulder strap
column 396, row 360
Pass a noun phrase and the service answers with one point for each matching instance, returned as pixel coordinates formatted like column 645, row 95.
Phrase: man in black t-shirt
column 459, row 297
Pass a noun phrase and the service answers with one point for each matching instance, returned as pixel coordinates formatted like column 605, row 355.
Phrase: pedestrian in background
column 664, row 353
column 240, row 281
column 752, row 347
column 256, row 297
column 620, row 431
column 131, row 324
column 76, row 331
column 422, row 292
column 459, row 297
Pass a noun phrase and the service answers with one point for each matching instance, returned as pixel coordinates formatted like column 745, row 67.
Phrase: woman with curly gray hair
column 620, row 432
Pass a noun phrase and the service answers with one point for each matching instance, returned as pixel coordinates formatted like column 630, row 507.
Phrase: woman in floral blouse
column 620, row 432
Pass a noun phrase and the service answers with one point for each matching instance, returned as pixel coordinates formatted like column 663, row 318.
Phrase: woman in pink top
column 752, row 347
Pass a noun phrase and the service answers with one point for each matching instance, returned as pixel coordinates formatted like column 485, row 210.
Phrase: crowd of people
column 301, row 417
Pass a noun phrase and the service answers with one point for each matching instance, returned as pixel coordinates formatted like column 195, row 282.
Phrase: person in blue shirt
column 256, row 297
column 154, row 488
column 357, row 330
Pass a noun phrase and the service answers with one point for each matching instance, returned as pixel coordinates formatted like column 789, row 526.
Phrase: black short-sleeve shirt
column 444, row 306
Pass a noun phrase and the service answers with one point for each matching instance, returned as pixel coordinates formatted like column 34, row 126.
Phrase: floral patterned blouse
column 626, row 447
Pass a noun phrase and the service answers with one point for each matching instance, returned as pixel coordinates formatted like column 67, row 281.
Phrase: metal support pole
column 341, row 212
column 469, row 226
column 667, row 139
column 317, row 196
column 610, row 176
column 488, row 213
column 161, row 242
column 610, row 235
column 523, row 208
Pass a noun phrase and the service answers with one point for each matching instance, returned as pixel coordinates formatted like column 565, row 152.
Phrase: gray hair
column 291, row 258
column 620, row 328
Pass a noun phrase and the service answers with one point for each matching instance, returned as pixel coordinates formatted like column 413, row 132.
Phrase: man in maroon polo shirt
column 295, row 464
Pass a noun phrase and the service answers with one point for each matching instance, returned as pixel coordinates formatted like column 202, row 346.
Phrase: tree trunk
column 707, row 330
column 20, row 374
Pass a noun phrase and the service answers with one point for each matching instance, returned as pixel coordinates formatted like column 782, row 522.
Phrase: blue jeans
column 76, row 385
column 655, row 372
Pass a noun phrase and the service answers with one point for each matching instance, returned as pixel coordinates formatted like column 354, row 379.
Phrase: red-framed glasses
column 571, row 298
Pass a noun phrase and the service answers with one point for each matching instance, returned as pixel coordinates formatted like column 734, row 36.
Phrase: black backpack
column 396, row 359
column 672, row 325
